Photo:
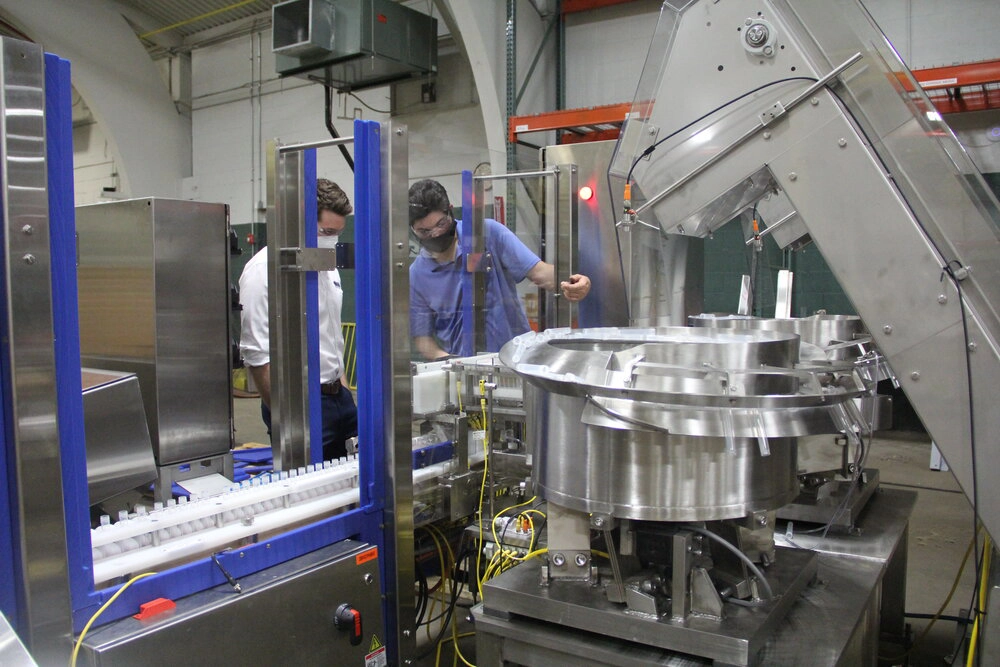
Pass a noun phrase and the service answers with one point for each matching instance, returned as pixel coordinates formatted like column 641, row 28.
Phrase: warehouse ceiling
column 180, row 25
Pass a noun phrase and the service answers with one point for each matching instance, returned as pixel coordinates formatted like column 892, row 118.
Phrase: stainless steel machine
column 154, row 301
column 674, row 448
column 673, row 444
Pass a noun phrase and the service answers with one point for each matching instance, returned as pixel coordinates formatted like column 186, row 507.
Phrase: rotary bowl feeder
column 667, row 409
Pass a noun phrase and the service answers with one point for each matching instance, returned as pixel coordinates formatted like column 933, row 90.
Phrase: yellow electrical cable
column 79, row 641
column 493, row 525
column 983, row 580
column 937, row 615
column 458, row 392
column 448, row 639
column 482, row 492
column 533, row 554
column 447, row 544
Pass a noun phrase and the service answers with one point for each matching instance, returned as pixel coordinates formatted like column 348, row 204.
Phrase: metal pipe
column 770, row 228
column 295, row 148
column 490, row 459
column 746, row 135
column 515, row 174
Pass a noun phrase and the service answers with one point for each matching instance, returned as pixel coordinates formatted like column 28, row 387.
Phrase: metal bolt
column 407, row 662
column 598, row 521
column 29, row 259
column 368, row 578
column 399, row 131
column 762, row 520
column 915, row 375
column 243, row 554
column 814, row 101
column 267, row 546
column 793, row 176
column 559, row 560
column 28, row 229
column 581, row 560
column 767, row 134
column 651, row 131
column 748, row 22
column 406, row 633
column 972, row 347
column 942, row 299
column 768, row 51
column 399, row 265
column 757, row 34
column 399, row 246
column 842, row 142
column 887, row 329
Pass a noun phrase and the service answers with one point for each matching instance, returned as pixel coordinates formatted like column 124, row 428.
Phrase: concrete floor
column 940, row 527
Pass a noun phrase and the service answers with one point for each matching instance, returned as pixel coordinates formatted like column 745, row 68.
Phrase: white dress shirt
column 254, row 333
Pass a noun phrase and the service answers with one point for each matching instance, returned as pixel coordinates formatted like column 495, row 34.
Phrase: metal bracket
column 307, row 259
column 772, row 113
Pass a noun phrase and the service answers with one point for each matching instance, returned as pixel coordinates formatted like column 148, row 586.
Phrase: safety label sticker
column 376, row 654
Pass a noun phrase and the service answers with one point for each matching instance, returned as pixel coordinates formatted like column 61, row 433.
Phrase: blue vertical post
column 312, row 310
column 66, row 324
column 373, row 331
column 468, row 279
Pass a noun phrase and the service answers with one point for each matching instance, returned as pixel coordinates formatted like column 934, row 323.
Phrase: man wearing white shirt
column 340, row 415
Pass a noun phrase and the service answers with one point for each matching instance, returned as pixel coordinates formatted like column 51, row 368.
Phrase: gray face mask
column 329, row 242
column 442, row 241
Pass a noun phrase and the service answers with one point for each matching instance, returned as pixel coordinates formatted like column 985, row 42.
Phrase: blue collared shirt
column 436, row 292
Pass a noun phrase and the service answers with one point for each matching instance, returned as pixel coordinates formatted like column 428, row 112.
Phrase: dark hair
column 329, row 197
column 427, row 196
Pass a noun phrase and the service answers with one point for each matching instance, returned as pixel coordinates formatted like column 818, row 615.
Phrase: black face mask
column 441, row 242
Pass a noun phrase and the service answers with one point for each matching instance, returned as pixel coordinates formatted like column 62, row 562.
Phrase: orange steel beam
column 958, row 88
column 969, row 100
column 560, row 120
column 597, row 135
column 957, row 76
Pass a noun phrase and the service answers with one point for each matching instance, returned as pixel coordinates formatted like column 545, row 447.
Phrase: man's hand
column 429, row 349
column 577, row 287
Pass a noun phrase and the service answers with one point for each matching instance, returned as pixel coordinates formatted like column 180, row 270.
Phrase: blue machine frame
column 366, row 523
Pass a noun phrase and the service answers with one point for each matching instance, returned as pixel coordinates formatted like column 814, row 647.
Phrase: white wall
column 932, row 33
column 141, row 131
column 231, row 122
column 605, row 51
column 228, row 123
column 94, row 164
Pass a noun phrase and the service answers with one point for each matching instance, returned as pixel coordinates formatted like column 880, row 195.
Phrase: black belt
column 330, row 388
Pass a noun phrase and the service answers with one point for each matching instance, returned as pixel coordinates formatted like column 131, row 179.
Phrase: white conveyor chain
column 202, row 526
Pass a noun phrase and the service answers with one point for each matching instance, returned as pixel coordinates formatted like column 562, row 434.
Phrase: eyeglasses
column 326, row 231
column 427, row 232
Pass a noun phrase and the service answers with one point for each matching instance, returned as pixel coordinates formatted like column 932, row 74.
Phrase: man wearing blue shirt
column 436, row 278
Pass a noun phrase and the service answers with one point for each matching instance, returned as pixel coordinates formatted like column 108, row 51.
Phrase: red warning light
column 586, row 193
